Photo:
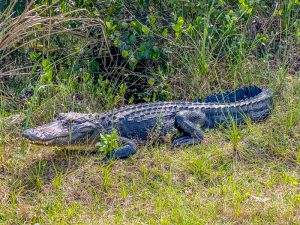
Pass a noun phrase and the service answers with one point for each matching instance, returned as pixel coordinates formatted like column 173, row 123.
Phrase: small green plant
column 201, row 167
column 107, row 181
column 37, row 175
column 233, row 134
column 2, row 217
column 58, row 177
column 293, row 114
column 124, row 190
column 108, row 142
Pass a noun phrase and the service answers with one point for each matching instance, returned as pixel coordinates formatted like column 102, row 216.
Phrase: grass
column 203, row 184
column 33, row 29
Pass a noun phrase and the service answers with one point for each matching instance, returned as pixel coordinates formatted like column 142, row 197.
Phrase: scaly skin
column 134, row 123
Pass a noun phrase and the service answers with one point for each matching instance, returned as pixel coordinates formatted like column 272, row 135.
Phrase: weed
column 293, row 115
column 108, row 142
column 124, row 190
column 37, row 175
column 233, row 134
column 106, row 178
column 58, row 177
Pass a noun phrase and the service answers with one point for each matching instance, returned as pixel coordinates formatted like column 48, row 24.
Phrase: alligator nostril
column 26, row 133
column 30, row 135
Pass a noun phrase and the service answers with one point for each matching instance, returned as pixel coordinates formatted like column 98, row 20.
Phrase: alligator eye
column 67, row 123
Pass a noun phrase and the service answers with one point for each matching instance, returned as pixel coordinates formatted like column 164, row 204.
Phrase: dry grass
column 34, row 28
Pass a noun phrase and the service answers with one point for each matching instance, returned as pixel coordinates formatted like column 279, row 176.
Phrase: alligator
column 134, row 123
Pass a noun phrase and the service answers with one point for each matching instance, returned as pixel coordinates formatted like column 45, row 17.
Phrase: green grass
column 204, row 184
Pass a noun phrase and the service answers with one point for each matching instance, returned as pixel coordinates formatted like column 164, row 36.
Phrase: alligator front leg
column 123, row 152
column 190, row 123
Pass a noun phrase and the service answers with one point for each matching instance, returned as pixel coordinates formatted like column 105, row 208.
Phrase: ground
column 248, row 175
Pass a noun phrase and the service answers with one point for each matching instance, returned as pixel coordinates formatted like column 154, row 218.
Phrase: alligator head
column 67, row 128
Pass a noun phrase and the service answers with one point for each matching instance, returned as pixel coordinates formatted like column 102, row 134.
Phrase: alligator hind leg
column 190, row 123
column 123, row 152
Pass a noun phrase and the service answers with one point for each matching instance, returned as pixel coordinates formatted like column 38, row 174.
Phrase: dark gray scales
column 134, row 123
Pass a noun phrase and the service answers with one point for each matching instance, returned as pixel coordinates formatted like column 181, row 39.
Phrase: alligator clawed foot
column 185, row 141
column 120, row 153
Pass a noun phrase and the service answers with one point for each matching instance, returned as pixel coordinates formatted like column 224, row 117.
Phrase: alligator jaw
column 66, row 129
column 47, row 143
column 79, row 139
column 36, row 137
column 50, row 135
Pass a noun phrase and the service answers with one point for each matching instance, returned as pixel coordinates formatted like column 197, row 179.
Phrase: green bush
column 147, row 47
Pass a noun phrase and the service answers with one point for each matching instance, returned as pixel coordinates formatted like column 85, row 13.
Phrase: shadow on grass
column 51, row 167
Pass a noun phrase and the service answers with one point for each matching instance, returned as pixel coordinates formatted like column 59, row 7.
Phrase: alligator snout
column 30, row 135
column 35, row 136
column 46, row 132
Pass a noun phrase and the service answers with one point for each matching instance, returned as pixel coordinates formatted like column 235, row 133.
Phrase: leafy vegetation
column 92, row 56
column 108, row 142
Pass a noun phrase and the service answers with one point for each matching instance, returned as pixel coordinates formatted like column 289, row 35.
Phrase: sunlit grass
column 196, row 185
